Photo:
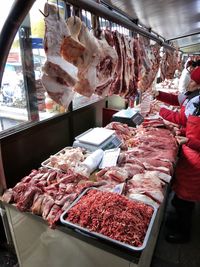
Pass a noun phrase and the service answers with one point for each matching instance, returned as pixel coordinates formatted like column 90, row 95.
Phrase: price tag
column 110, row 158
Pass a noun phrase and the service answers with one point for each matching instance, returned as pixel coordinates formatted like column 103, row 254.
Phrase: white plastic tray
column 47, row 162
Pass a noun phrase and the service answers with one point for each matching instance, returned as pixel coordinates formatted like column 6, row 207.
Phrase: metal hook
column 74, row 15
column 74, row 19
column 45, row 15
column 58, row 10
column 86, row 19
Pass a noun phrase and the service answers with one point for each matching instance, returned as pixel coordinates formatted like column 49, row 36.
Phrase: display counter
column 38, row 245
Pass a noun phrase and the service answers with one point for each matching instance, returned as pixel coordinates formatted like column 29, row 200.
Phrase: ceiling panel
column 168, row 18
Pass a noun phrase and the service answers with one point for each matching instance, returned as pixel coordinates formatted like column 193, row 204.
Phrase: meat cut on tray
column 47, row 193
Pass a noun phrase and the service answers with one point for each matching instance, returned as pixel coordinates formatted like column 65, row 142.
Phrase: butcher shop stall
column 86, row 161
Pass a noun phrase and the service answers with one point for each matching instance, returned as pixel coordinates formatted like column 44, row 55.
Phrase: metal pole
column 17, row 14
column 189, row 45
column 183, row 36
column 28, row 71
column 100, row 10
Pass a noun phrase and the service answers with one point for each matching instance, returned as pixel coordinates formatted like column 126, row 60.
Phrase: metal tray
column 47, row 162
column 96, row 235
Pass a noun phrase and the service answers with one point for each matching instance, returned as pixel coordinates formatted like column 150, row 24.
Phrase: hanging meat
column 113, row 63
column 96, row 65
column 169, row 63
column 124, row 83
column 149, row 63
column 59, row 76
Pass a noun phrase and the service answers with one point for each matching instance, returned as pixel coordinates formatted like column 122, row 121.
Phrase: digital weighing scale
column 130, row 116
column 96, row 138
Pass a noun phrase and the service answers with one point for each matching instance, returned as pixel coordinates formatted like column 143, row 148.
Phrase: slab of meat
column 60, row 93
column 143, row 198
column 123, row 131
column 106, row 67
column 59, row 75
column 113, row 174
column 149, row 63
column 117, row 84
column 96, row 64
column 71, row 49
column 132, row 56
column 26, row 200
column 169, row 63
column 149, row 186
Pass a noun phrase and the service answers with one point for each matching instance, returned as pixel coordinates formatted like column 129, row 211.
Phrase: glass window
column 81, row 101
column 15, row 92
column 23, row 99
column 4, row 10
column 13, row 110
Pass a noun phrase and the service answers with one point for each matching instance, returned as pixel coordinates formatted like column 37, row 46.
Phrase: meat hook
column 74, row 15
column 58, row 10
column 74, row 19
column 45, row 15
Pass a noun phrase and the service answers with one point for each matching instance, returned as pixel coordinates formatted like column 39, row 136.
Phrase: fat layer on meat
column 59, row 75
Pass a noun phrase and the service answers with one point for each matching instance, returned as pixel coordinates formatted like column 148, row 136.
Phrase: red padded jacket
column 177, row 117
column 187, row 174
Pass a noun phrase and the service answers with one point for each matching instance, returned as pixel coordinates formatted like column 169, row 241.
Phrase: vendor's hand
column 181, row 139
column 156, row 107
column 176, row 131
column 154, row 93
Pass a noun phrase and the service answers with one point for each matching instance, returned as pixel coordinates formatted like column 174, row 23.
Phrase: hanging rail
column 191, row 45
column 107, row 13
column 183, row 36
column 134, row 20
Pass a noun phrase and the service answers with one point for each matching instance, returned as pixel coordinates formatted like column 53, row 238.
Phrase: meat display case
column 38, row 245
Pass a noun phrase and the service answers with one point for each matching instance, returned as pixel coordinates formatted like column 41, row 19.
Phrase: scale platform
column 96, row 138
column 130, row 116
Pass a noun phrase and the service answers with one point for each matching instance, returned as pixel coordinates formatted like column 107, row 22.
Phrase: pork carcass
column 59, row 75
column 96, row 65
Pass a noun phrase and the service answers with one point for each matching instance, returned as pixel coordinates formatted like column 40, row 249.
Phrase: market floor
column 178, row 255
column 7, row 257
column 165, row 254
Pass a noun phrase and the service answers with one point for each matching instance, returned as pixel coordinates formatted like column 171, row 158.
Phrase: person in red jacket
column 186, row 182
column 179, row 117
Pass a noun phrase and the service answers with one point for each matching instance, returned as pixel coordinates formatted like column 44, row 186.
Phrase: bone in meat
column 56, row 69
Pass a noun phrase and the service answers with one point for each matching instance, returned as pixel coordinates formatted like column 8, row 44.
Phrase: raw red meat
column 112, row 215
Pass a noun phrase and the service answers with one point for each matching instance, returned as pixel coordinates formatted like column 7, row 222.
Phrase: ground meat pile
column 112, row 215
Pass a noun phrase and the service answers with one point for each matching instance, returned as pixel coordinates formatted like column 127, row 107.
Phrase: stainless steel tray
column 96, row 235
column 47, row 162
